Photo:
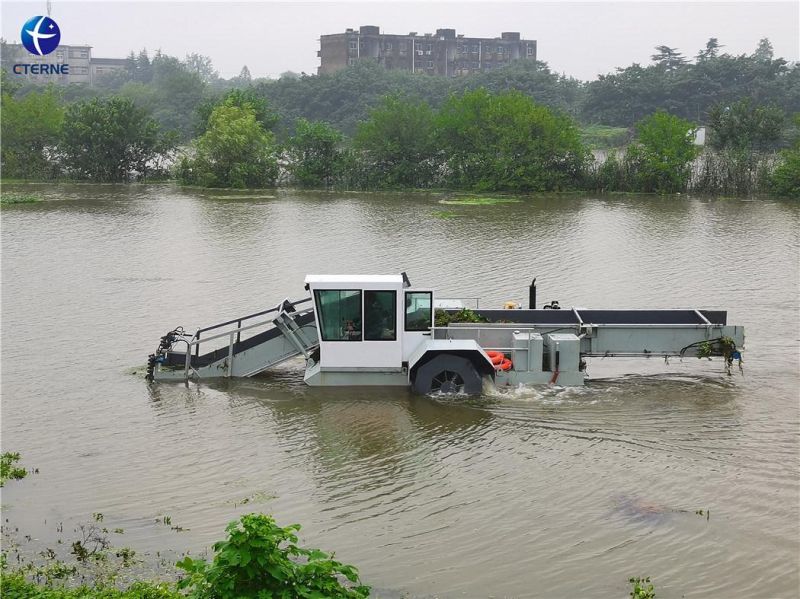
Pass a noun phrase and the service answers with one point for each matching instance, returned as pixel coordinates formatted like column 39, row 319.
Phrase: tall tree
column 30, row 130
column 202, row 66
column 397, row 144
column 508, row 142
column 112, row 140
column 764, row 51
column 316, row 154
column 662, row 155
column 235, row 151
column 744, row 126
column 668, row 58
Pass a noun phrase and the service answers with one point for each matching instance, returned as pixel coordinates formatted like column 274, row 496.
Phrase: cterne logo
column 40, row 35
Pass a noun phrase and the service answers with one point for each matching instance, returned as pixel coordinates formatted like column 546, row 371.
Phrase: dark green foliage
column 532, row 78
column 690, row 90
column 346, row 98
column 507, row 142
column 241, row 97
column 13, row 585
column 262, row 559
column 112, row 140
column 661, row 158
column 744, row 126
column 316, row 154
column 642, row 588
column 785, row 180
column 235, row 151
column 442, row 318
column 9, row 469
column 30, row 128
column 396, row 145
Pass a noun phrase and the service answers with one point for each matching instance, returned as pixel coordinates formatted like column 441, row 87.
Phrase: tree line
column 515, row 129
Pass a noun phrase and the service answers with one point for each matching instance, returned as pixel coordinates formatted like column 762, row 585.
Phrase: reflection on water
column 522, row 492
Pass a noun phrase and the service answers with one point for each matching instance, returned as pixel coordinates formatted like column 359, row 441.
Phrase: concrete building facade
column 83, row 68
column 444, row 53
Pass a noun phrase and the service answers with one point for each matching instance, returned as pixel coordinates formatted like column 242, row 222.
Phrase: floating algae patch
column 7, row 199
column 446, row 214
column 479, row 201
column 242, row 197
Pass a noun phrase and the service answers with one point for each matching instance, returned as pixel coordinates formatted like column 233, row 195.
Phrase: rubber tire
column 423, row 380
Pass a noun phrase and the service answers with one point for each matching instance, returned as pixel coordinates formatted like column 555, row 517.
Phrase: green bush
column 662, row 156
column 235, row 151
column 14, row 585
column 508, row 142
column 112, row 140
column 785, row 180
column 261, row 559
column 786, row 177
column 316, row 154
column 9, row 469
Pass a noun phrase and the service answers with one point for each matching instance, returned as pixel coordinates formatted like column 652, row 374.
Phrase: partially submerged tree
column 316, row 154
column 397, row 143
column 30, row 129
column 508, row 142
column 235, row 151
column 744, row 126
column 112, row 140
column 662, row 155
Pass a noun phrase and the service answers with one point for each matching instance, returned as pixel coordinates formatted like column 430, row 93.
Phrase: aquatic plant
column 480, row 201
column 642, row 588
column 442, row 317
column 18, row 198
column 261, row 559
column 9, row 469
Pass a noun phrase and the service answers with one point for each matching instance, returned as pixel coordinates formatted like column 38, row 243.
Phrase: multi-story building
column 443, row 53
column 83, row 68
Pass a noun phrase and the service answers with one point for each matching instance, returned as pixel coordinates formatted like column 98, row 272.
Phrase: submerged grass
column 445, row 214
column 479, row 201
column 9, row 198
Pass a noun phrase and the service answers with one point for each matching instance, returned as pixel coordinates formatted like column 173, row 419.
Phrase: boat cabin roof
column 354, row 279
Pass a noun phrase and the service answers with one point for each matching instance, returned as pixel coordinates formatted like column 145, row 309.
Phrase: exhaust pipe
column 532, row 295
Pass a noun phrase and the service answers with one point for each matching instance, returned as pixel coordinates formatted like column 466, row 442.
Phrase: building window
column 339, row 314
column 476, row 49
column 380, row 315
column 353, row 44
column 403, row 46
column 430, row 64
column 530, row 51
column 351, row 61
column 499, row 49
column 388, row 45
column 418, row 310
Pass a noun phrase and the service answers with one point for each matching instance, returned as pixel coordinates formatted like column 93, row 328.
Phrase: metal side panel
column 643, row 340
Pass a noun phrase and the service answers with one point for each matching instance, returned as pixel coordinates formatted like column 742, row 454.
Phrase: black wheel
column 448, row 374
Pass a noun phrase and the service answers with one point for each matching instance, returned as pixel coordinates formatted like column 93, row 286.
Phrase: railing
column 235, row 335
column 239, row 321
column 477, row 300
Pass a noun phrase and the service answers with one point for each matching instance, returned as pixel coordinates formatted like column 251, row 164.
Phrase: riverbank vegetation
column 257, row 559
column 520, row 128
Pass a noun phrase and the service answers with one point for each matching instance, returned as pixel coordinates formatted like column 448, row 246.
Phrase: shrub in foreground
column 262, row 559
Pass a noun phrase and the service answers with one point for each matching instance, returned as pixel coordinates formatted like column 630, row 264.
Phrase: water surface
column 523, row 493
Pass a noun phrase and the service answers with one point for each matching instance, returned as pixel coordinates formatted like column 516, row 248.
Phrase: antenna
column 49, row 7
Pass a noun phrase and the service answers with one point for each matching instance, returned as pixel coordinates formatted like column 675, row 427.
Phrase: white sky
column 581, row 39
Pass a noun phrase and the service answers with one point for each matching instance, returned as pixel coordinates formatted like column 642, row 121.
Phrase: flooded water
column 527, row 493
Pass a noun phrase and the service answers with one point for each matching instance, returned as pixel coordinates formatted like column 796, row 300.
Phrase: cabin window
column 419, row 313
column 380, row 315
column 339, row 314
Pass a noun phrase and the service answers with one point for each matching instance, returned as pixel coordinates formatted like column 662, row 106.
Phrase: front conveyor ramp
column 282, row 333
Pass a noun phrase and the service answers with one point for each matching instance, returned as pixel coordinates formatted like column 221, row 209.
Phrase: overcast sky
column 576, row 38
